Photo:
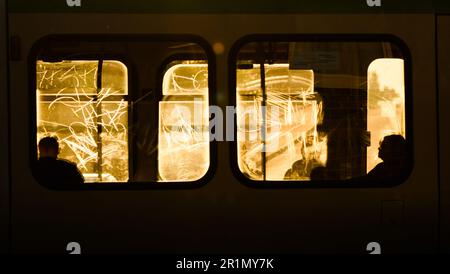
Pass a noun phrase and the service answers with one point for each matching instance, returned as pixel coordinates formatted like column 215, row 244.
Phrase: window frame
column 46, row 42
column 357, row 182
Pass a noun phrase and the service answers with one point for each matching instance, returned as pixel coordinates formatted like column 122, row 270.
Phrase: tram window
column 129, row 111
column 321, row 111
column 84, row 104
column 183, row 136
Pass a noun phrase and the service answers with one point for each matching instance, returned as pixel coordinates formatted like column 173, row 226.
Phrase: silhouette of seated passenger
column 393, row 152
column 300, row 170
column 53, row 172
column 295, row 172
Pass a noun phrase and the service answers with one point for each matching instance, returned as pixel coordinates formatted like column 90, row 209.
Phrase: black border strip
column 230, row 6
column 359, row 182
column 105, row 38
column 8, row 96
column 438, row 130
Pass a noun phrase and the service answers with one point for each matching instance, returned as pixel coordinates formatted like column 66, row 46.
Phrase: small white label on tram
column 73, row 3
column 73, row 248
column 373, row 3
column 373, row 248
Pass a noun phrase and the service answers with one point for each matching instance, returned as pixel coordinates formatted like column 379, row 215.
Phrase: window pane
column 183, row 138
column 67, row 77
column 186, row 79
column 291, row 117
column 385, row 103
column 90, row 122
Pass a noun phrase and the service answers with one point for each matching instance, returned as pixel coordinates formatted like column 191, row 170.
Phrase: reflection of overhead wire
column 273, row 80
column 195, row 84
column 292, row 117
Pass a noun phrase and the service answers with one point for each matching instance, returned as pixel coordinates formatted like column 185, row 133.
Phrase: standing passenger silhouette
column 53, row 172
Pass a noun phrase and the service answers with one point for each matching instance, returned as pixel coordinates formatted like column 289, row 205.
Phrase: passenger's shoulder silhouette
column 393, row 152
column 53, row 172
column 56, row 173
column 289, row 175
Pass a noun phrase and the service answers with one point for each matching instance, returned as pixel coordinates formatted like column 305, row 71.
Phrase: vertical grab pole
column 263, row 108
column 99, row 121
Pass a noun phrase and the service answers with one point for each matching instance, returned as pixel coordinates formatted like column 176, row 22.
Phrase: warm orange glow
column 92, row 128
column 183, row 136
column 386, row 104
column 293, row 111
column 218, row 48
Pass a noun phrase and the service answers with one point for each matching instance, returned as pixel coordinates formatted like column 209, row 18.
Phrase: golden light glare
column 90, row 121
column 88, row 113
column 271, row 139
column 218, row 48
column 183, row 135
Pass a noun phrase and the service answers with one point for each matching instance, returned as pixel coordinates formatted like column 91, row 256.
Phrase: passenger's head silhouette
column 392, row 149
column 48, row 147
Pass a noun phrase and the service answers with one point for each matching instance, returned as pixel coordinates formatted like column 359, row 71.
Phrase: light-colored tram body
column 224, row 215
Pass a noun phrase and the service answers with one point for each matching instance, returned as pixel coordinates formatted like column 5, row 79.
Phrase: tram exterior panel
column 225, row 215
